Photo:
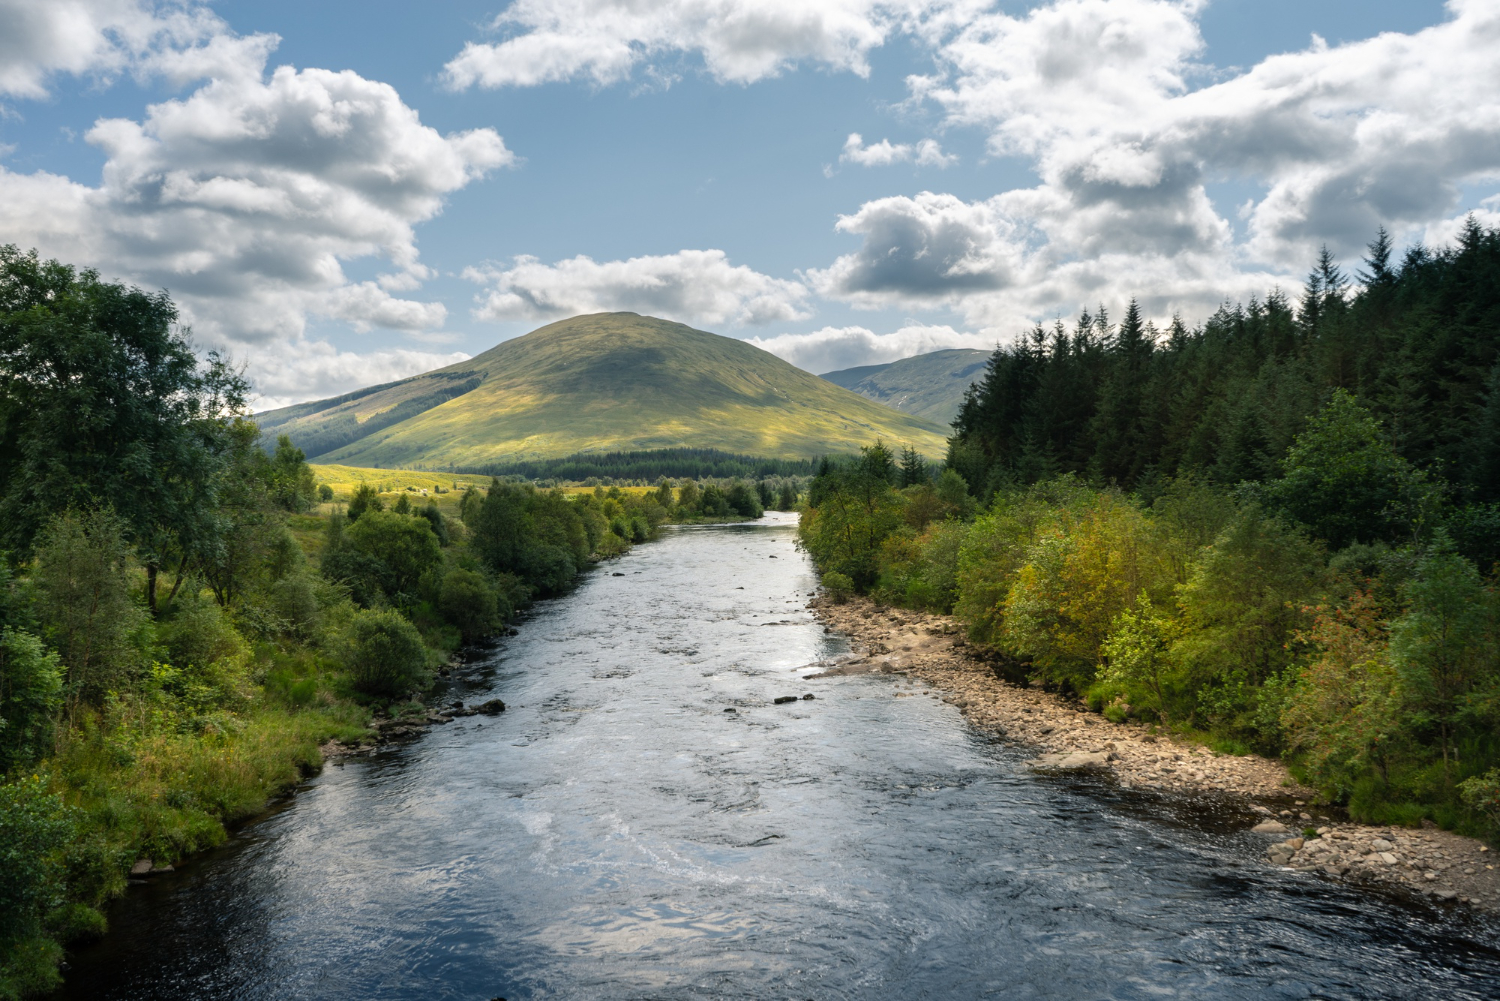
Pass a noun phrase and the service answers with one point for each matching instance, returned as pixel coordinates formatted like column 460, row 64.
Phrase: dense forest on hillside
column 1278, row 530
column 185, row 616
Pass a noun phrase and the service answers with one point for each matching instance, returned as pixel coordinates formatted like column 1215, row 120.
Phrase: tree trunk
column 151, row 571
column 181, row 572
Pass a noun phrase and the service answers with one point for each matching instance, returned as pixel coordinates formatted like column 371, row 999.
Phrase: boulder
column 1068, row 761
column 493, row 707
column 780, row 699
column 1271, row 827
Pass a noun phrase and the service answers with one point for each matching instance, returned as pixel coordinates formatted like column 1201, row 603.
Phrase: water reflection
column 617, row 834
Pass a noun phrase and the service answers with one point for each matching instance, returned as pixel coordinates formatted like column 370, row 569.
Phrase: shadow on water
column 617, row 834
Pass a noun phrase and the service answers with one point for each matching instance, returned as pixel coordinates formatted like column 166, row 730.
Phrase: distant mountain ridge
column 930, row 386
column 602, row 382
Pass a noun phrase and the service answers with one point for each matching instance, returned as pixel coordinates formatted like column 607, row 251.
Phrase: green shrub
column 30, row 693
column 1482, row 795
column 34, row 825
column 197, row 633
column 386, row 656
column 838, row 585
column 84, row 601
column 404, row 546
column 468, row 601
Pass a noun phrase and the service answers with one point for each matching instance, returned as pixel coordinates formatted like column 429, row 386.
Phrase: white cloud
column 245, row 197
column 740, row 41
column 1098, row 96
column 181, row 39
column 926, row 153
column 311, row 370
column 834, row 348
column 691, row 286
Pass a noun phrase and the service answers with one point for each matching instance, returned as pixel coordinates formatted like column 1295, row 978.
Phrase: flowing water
column 617, row 834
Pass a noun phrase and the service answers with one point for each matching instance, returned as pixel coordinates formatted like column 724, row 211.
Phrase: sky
column 341, row 193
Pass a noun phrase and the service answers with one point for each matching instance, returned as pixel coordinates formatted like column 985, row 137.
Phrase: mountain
column 929, row 386
column 608, row 381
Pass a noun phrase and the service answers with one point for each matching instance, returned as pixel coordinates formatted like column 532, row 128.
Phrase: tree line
column 647, row 466
column 1277, row 531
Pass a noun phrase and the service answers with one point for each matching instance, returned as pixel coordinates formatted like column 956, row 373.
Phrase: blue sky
column 421, row 181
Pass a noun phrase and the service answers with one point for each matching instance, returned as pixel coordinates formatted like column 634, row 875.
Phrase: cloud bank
column 691, row 286
column 738, row 41
column 834, row 348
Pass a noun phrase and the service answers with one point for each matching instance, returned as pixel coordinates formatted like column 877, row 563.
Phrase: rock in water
column 1067, row 761
column 491, row 708
column 1270, row 827
column 785, row 698
column 808, row 697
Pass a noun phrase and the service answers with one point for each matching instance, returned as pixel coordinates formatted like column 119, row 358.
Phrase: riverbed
column 644, row 822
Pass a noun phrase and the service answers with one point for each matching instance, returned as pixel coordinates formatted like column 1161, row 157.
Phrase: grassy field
column 345, row 479
column 607, row 382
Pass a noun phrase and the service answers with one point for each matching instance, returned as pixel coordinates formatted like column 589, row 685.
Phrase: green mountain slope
column 609, row 381
column 929, row 386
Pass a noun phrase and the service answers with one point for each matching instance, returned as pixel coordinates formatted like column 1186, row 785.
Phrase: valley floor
column 931, row 651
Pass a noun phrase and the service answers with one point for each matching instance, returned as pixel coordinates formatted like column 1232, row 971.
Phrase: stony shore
column 934, row 658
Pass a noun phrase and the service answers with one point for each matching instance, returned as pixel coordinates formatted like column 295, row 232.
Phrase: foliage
column 469, row 602
column 30, row 694
column 1443, row 647
column 838, row 586
column 404, row 549
column 290, row 479
column 84, row 601
column 365, row 498
column 1137, row 654
column 33, row 826
column 386, row 655
column 1344, row 710
column 1344, row 480
column 103, row 402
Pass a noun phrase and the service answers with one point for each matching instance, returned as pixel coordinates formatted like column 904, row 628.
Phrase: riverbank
column 932, row 650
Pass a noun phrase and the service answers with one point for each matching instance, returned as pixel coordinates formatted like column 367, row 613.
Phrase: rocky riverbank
column 934, row 658
column 386, row 729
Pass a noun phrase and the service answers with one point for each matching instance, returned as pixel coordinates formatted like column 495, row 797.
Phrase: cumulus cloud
column 245, row 197
column 311, row 370
column 926, row 153
column 103, row 38
column 738, row 40
column 691, row 286
column 834, row 348
column 1099, row 96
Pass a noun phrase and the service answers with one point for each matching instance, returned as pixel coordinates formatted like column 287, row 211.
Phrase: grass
column 608, row 382
column 345, row 479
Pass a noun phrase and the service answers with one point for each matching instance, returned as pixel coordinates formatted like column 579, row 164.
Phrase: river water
column 617, row 834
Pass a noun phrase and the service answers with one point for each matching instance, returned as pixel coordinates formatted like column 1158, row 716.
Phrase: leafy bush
column 84, row 601
column 34, row 826
column 1482, row 794
column 468, row 601
column 838, row 586
column 30, row 693
column 386, row 656
column 404, row 546
column 197, row 633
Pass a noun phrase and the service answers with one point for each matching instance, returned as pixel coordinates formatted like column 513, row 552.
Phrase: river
column 618, row 834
